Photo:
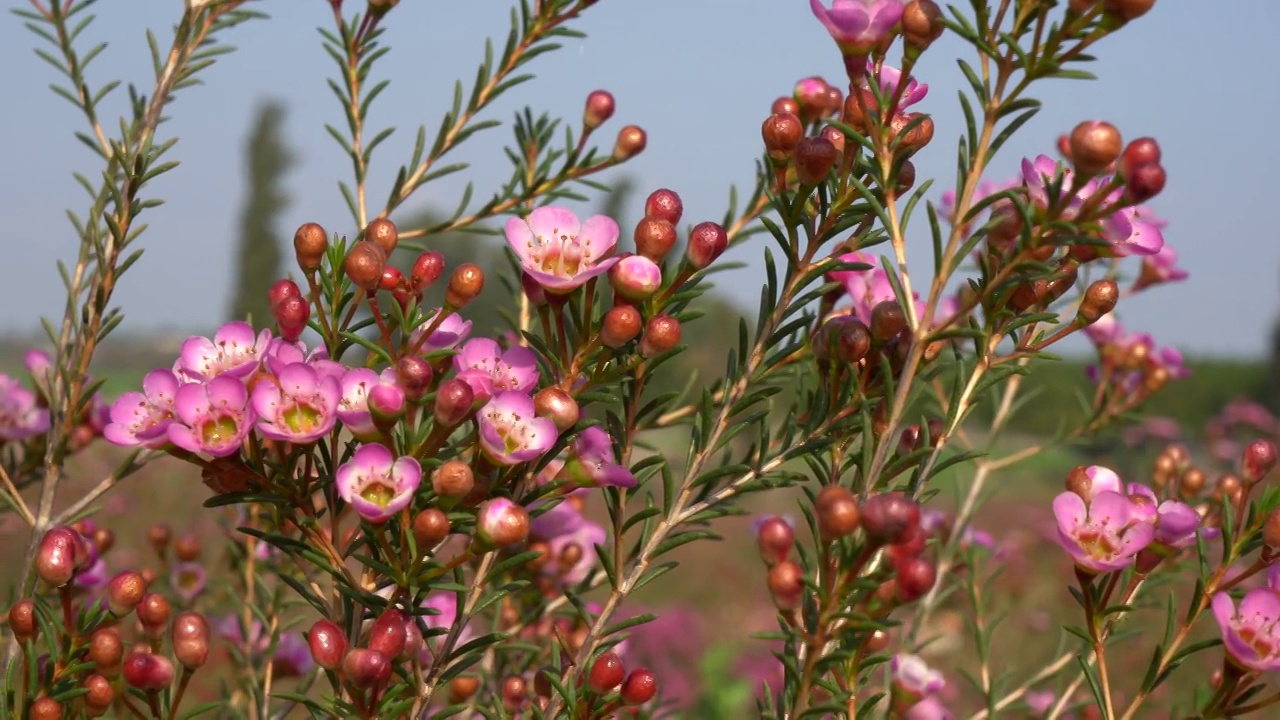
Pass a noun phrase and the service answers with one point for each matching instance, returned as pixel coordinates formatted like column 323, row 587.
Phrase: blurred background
column 698, row 76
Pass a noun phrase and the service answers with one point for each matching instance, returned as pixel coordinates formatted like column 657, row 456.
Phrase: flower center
column 301, row 417
column 219, row 431
column 378, row 492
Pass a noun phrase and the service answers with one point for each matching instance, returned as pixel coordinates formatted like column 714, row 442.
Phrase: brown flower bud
column 454, row 401
column 191, row 640
column 153, row 614
column 620, row 326
column 328, row 644
column 463, row 688
column 921, row 23
column 876, row 641
column 187, row 548
column 106, row 650
column 599, row 108
column 1078, row 482
column 124, row 592
column 513, row 693
column 1143, row 151
column 1193, row 480
column 1128, row 9
column 501, row 523
column 1271, row 530
column 1095, row 145
column 46, row 708
column 430, row 528
column 454, row 480
column 310, row 243
column 837, row 512
column 836, row 137
column 465, row 284
column 707, row 241
column 916, row 577
column 1145, row 182
column 887, row 320
column 913, row 130
column 158, row 536
column 775, row 538
column 1229, row 489
column 664, row 204
column 1099, row 299
column 785, row 105
column 640, row 687
column 786, row 585
column 387, row 635
column 655, row 236
column 22, row 620
column 606, row 673
column 558, row 405
column 813, row 159
column 148, row 672
column 365, row 669
column 383, row 233
column 100, row 695
column 661, row 334
column 364, row 264
column 58, row 556
column 1059, row 285
column 906, row 177
column 1257, row 460
column 782, row 132
column 631, row 142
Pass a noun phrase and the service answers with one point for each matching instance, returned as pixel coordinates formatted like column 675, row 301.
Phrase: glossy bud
column 22, row 620
column 606, row 673
column 328, row 644
column 465, row 284
column 664, row 204
column 661, row 334
column 557, row 405
column 383, row 233
column 365, row 669
column 191, row 640
column 387, row 635
column 654, row 237
column 599, row 108
column 310, row 243
column 640, row 687
column 631, row 142
column 707, row 242
column 430, row 528
column 427, row 269
column 454, row 401
column 364, row 264
column 620, row 326
column 148, row 672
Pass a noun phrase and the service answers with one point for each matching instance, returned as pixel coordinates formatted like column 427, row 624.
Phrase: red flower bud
column 599, row 109
column 814, row 157
column 392, row 279
column 558, row 406
column 1258, row 460
column 606, row 673
column 46, row 708
column 1128, row 9
column 191, row 640
column 430, row 528
column 501, row 523
column 889, row 517
column 413, row 375
column 388, row 634
column 1145, row 182
column 383, row 233
column 148, row 672
column 328, row 644
column 463, row 688
column 366, row 669
column 707, row 241
column 631, row 142
column 464, row 285
column 916, row 577
column 58, row 556
column 785, row 105
column 640, row 687
column 837, row 512
column 291, row 315
column 775, row 538
column 513, row 693
column 619, row 326
column 655, row 237
column 1095, row 145
column 664, row 204
column 22, row 620
column 364, row 264
column 661, row 334
column 454, row 401
column 280, row 290
column 309, row 245
column 781, row 132
column 427, row 269
column 1143, row 151
column 153, row 614
column 124, row 592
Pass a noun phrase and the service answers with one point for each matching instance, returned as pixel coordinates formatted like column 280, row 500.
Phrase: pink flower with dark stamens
column 377, row 484
column 561, row 527
column 1102, row 535
column 143, row 418
column 353, row 407
column 592, row 464
column 858, row 26
column 1251, row 634
column 510, row 432
column 560, row 253
column 299, row 405
column 451, row 332
column 867, row 288
column 20, row 418
column 234, row 350
column 487, row 368
column 212, row 418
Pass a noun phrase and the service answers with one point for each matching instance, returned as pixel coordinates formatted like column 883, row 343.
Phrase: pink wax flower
column 560, row 253
column 353, row 406
column 376, row 483
column 1102, row 535
column 448, row 336
column 1099, row 480
column 1251, row 634
column 1140, row 233
column 1106, row 331
column 510, row 432
column 858, row 26
column 20, row 418
column 930, row 708
column 1161, row 267
column 299, row 405
column 444, row 613
column 38, row 364
column 292, row 657
column 890, row 77
column 281, row 353
column 487, row 368
column 867, row 288
column 561, row 527
column 986, row 188
column 212, row 418
column 910, row 674
column 1131, row 231
column 188, row 579
column 591, row 462
column 234, row 350
column 1175, row 522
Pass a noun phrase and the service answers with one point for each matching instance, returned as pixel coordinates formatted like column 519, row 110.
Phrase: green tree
column 259, row 256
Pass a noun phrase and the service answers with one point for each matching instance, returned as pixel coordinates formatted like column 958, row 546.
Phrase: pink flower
column 930, row 708
column 562, row 527
column 212, row 418
column 559, row 253
column 591, row 462
column 143, row 418
column 510, row 432
column 912, row 675
column 281, row 353
column 1251, row 635
column 1139, row 233
column 353, row 407
column 445, row 613
column 487, row 368
column 451, row 332
column 377, row 484
column 867, row 288
column 1175, row 522
column 1101, row 479
column 890, row 77
column 188, row 579
column 858, row 26
column 299, row 405
column 1103, row 535
column 1129, row 230
column 234, row 350
column 20, row 418
column 1161, row 267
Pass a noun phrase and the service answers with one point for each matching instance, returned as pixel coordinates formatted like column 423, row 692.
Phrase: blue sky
column 699, row 76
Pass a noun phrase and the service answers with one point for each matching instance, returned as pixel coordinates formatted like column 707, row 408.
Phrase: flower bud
column 1143, row 151
column 414, row 374
column 707, row 241
column 106, row 650
column 1095, row 145
column 837, row 512
column 158, row 536
column 148, row 672
column 454, row 401
column 655, row 236
column 501, row 523
column 813, row 159
column 811, row 96
column 606, row 673
column 619, row 326
column 386, row 405
column 392, row 279
column 921, row 23
column 630, row 143
column 906, row 177
column 57, row 557
column 661, row 334
column 191, row 640
column 513, row 693
column 1271, row 530
column 1192, row 482
column 100, row 695
column 463, row 688
column 124, row 592
column 22, row 620
column 1229, row 489
column 46, row 708
column 1099, row 299
column 291, row 315
column 916, row 577
column 364, row 264
column 430, row 528
column 383, row 233
column 781, row 132
column 281, row 290
column 388, row 633
column 328, row 644
column 664, row 204
column 785, row 105
column 1144, row 182
column 453, row 480
column 187, row 548
column 912, row 135
column 599, row 109
column 427, row 269
column 557, row 405
column 153, row 614
column 1128, row 9
column 309, row 245
column 887, row 320
column 889, row 517
column 1258, row 460
column 786, row 585
column 852, row 340
column 640, row 687
column 464, row 285
column 365, row 669
column 775, row 538
column 636, row 278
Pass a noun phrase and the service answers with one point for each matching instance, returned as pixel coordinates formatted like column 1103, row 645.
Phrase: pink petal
column 191, row 402
column 227, row 391
column 599, row 235
column 552, row 222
